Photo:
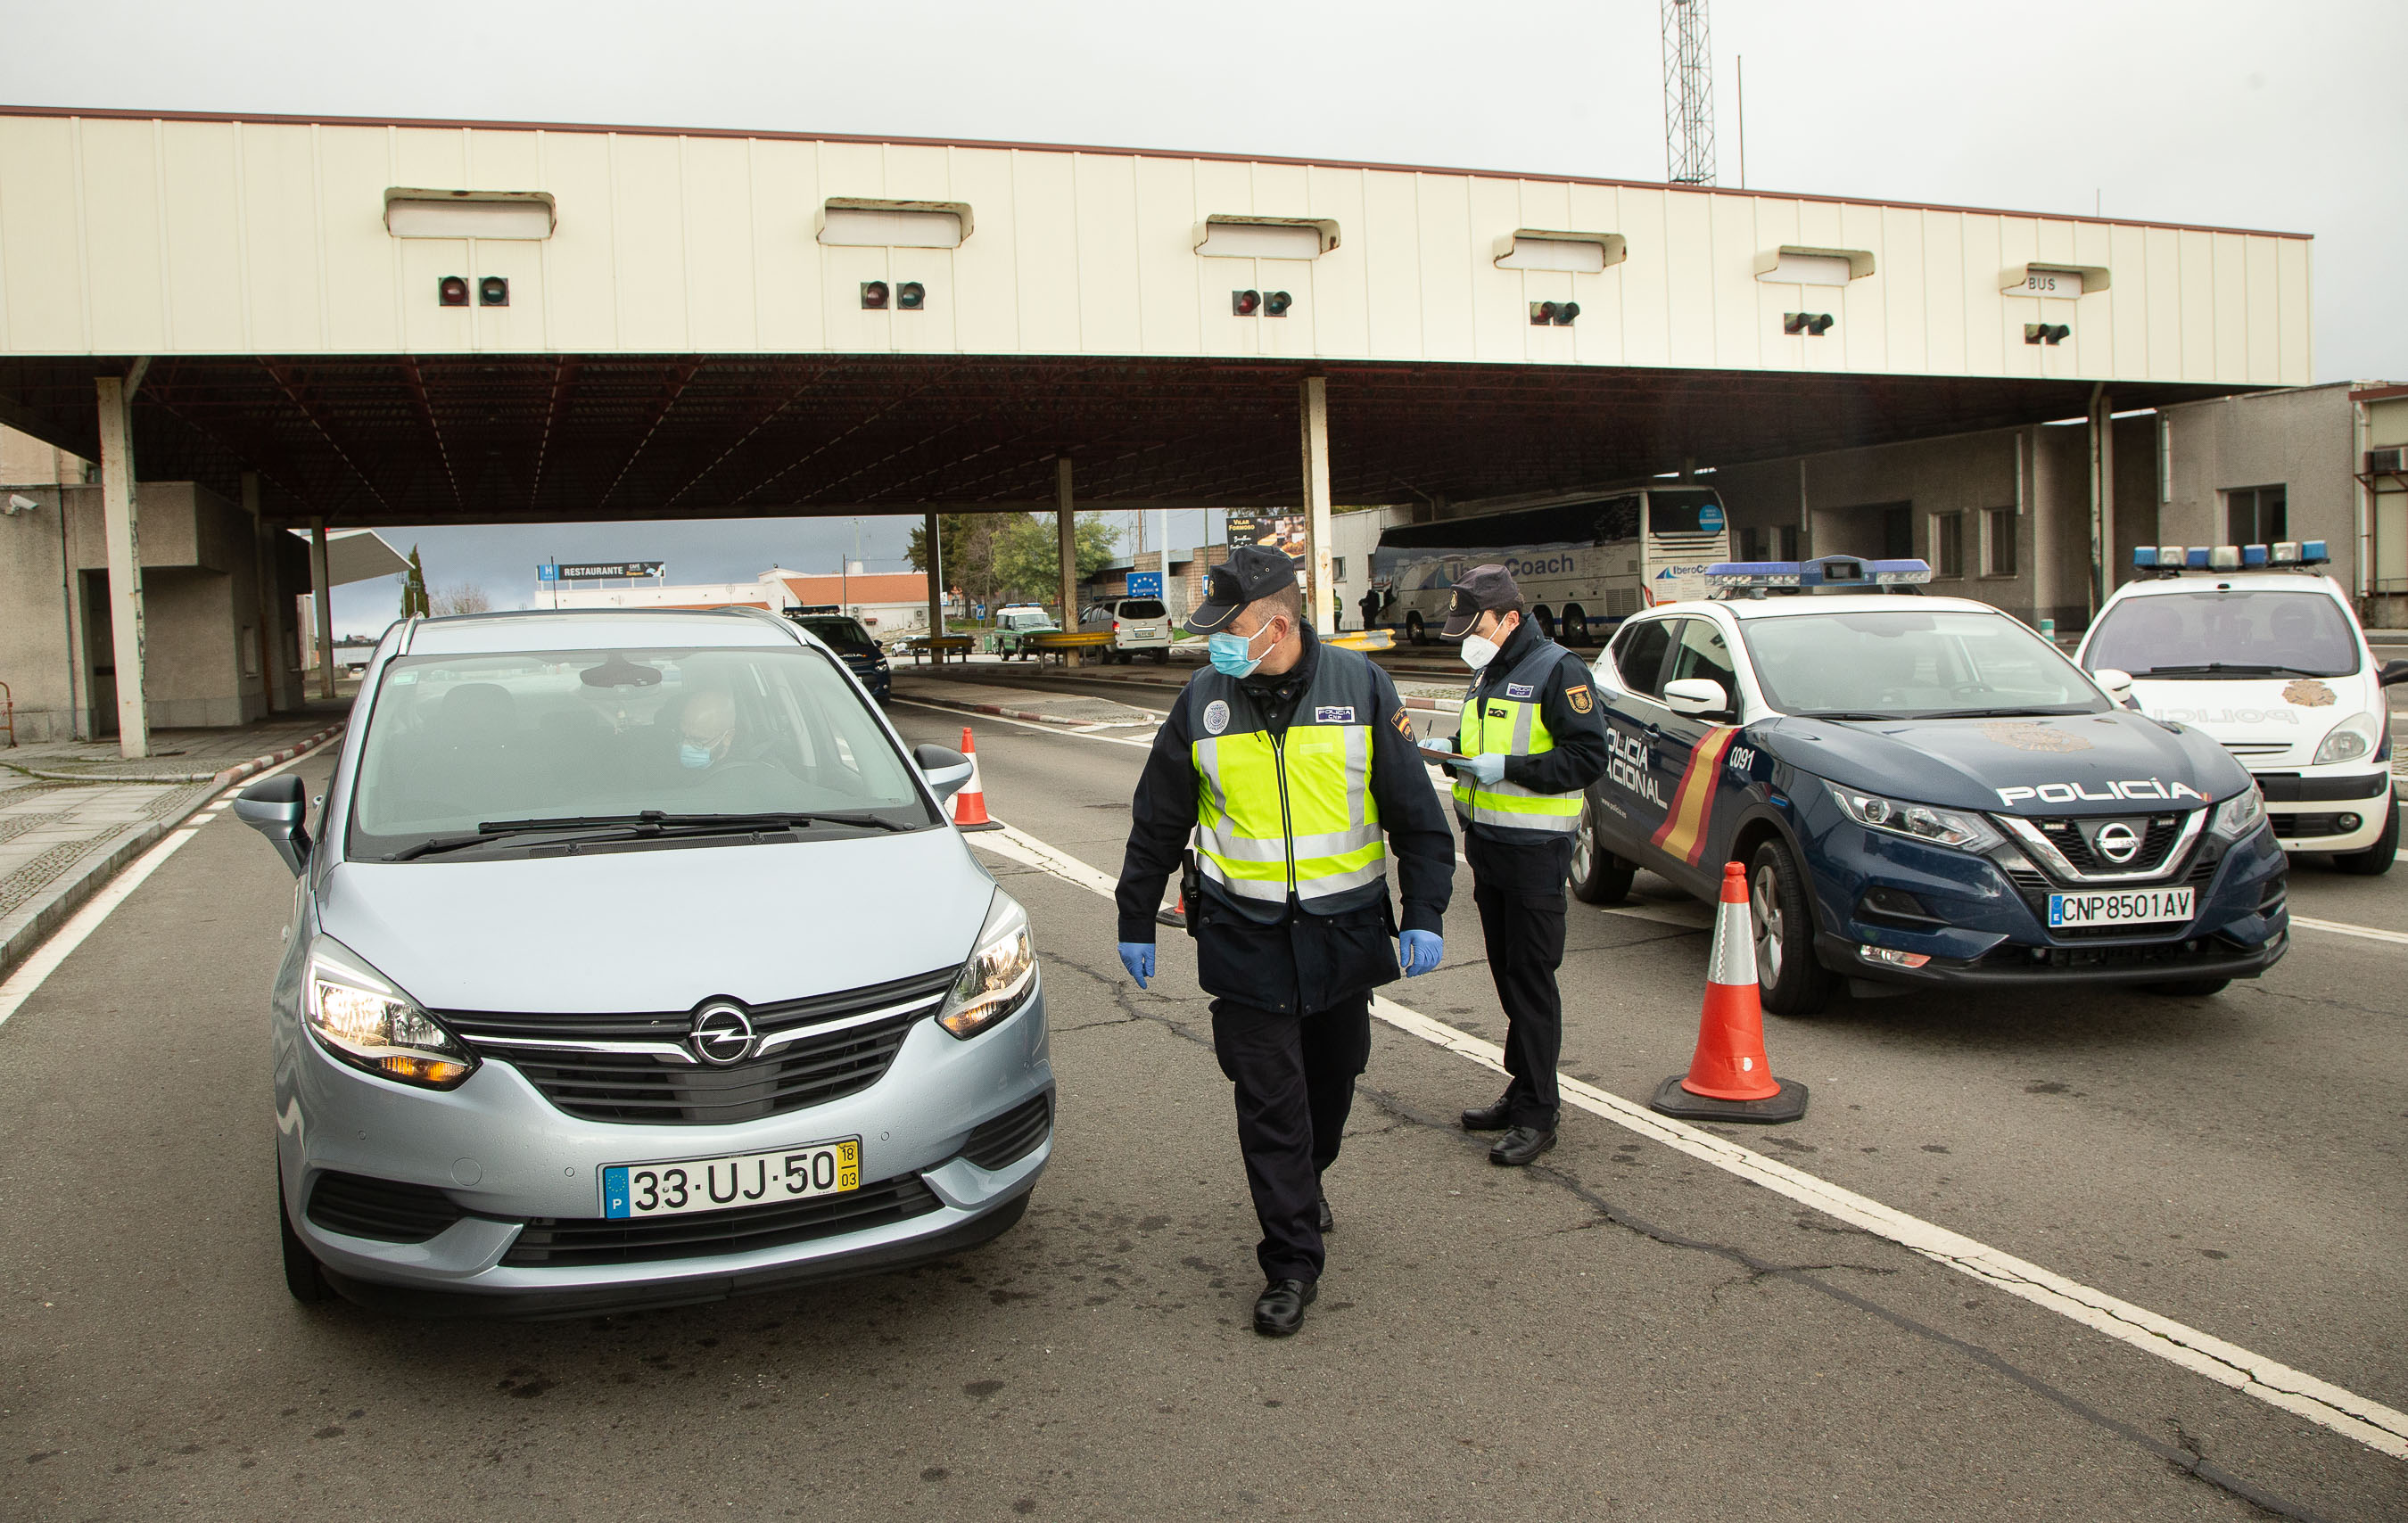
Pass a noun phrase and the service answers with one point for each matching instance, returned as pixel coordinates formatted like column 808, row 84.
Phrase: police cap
column 1479, row 591
column 1252, row 573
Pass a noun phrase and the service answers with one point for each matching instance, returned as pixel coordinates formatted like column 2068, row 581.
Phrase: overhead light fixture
column 1556, row 314
column 1819, row 324
column 911, row 297
column 874, row 295
column 2046, row 332
column 493, row 291
column 1276, row 303
column 453, row 291
column 1811, row 324
column 1245, row 304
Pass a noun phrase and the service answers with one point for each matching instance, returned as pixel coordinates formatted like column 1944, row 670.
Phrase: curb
column 70, row 898
column 234, row 774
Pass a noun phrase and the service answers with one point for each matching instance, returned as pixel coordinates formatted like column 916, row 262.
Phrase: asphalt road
column 1621, row 1332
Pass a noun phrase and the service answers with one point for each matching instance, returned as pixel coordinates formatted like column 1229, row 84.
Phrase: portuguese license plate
column 2131, row 907
column 731, row 1181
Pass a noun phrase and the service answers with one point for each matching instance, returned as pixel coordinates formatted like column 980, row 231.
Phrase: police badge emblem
column 1580, row 699
column 1216, row 716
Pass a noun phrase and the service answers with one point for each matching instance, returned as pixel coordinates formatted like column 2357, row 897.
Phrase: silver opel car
column 634, row 961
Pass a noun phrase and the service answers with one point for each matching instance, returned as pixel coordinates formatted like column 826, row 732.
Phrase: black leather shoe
column 1522, row 1145
column 1327, row 1221
column 1280, row 1309
column 1494, row 1118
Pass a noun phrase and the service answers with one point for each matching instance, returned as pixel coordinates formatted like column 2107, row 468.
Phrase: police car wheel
column 1597, row 877
column 1789, row 981
column 2376, row 858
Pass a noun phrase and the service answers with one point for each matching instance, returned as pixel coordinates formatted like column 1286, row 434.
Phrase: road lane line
column 2343, row 927
column 44, row 958
column 1040, row 729
column 2378, row 1427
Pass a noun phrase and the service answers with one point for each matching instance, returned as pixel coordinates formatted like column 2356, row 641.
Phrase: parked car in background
column 1137, row 625
column 1017, row 624
column 862, row 655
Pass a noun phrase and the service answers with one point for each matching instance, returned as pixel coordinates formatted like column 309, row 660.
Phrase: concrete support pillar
column 124, row 566
column 1313, row 410
column 1066, row 525
column 2103, row 490
column 262, row 563
column 936, row 591
column 322, row 606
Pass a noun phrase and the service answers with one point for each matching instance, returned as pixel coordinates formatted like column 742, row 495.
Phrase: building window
column 2000, row 545
column 1898, row 533
column 2256, row 515
column 1948, row 543
column 1771, row 542
column 1338, row 568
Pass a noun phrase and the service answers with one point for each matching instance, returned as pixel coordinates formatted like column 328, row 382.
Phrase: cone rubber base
column 1673, row 1100
column 982, row 825
column 1170, row 917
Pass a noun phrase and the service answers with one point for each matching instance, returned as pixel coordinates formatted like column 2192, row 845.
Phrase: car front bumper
column 2308, row 807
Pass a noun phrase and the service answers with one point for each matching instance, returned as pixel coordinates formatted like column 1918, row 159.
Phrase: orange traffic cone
column 1730, row 1077
column 1173, row 917
column 969, row 804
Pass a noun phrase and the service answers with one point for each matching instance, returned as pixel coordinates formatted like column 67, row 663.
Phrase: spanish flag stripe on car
column 1683, row 834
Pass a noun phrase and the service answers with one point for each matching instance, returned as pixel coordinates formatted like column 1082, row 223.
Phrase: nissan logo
column 723, row 1033
column 2117, row 841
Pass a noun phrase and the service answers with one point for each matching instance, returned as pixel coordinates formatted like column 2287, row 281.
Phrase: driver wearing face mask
column 1531, row 743
column 706, row 730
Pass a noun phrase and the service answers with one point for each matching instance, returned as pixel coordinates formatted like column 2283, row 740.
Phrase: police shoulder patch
column 1582, row 700
column 1404, row 723
column 1216, row 716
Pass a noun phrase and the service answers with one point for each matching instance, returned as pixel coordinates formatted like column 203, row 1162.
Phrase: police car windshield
column 2210, row 635
column 1912, row 664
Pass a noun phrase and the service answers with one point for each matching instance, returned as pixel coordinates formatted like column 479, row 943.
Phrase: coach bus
column 1582, row 565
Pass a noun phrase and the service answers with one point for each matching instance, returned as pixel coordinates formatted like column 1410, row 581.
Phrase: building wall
column 2302, row 440
column 150, row 236
column 2386, row 428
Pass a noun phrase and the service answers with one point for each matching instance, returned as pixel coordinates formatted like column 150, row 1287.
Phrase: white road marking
column 38, row 968
column 2378, row 1427
column 975, row 719
column 2343, row 927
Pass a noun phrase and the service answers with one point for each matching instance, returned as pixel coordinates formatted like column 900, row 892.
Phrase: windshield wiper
column 2220, row 668
column 645, row 824
column 2004, row 713
column 1851, row 715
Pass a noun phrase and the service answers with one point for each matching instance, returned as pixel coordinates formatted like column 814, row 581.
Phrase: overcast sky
column 2285, row 116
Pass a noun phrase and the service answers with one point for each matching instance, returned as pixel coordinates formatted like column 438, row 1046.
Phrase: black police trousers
column 1294, row 1076
column 1520, row 891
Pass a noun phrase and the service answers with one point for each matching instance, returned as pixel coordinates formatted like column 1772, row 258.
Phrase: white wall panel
column 1110, row 309
column 581, row 259
column 782, row 180
column 1900, row 274
column 2199, row 361
column 125, row 266
column 1388, row 246
column 1687, row 264
column 2293, row 257
column 204, row 236
column 1647, row 277
column 1046, row 239
column 41, row 262
column 2231, row 287
column 2162, row 283
column 987, row 278
column 279, row 239
column 1864, row 321
column 1500, row 312
column 1338, row 308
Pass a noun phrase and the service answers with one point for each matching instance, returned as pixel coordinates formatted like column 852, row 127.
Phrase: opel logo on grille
column 2117, row 841
column 723, row 1033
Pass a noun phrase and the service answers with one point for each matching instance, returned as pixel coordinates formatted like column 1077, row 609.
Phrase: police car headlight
column 999, row 976
column 2237, row 816
column 1917, row 822
column 2352, row 738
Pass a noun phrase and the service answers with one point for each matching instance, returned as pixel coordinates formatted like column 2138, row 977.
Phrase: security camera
column 20, row 503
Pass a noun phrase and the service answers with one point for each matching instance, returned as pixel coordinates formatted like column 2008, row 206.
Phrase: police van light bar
column 1829, row 571
column 2169, row 559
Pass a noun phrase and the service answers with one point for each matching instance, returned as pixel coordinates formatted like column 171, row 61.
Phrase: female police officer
column 1289, row 760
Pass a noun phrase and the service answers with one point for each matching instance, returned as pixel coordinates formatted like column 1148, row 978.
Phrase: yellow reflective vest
column 1506, row 720
column 1290, row 813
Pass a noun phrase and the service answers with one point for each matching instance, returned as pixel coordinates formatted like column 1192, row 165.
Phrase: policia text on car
column 1293, row 765
column 1532, row 742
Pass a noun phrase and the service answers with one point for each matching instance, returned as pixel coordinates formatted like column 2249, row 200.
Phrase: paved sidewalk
column 73, row 813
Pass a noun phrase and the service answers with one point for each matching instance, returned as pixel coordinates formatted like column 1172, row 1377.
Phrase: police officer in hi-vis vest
column 1531, row 743
column 1293, row 764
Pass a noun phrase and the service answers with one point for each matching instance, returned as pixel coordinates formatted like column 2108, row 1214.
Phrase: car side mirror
column 1697, row 697
column 946, row 769
column 2114, row 682
column 276, row 807
column 2394, row 673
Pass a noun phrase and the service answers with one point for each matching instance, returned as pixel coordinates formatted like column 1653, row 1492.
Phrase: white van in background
column 1137, row 624
column 2251, row 644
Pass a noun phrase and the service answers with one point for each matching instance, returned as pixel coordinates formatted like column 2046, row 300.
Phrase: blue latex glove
column 1138, row 958
column 1488, row 769
column 1440, row 743
column 1419, row 951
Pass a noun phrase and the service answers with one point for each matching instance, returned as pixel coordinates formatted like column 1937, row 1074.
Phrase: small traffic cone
column 1730, row 1077
column 969, row 804
column 1173, row 917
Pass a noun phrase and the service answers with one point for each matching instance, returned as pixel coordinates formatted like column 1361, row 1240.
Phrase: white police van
column 2256, row 648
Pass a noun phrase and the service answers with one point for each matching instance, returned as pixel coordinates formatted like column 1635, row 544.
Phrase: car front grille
column 2173, row 956
column 1012, row 1136
column 2035, row 886
column 386, row 1210
column 2158, row 834
column 612, row 1076
column 566, row 1241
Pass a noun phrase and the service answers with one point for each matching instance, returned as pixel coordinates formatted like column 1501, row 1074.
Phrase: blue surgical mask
column 1233, row 654
column 693, row 756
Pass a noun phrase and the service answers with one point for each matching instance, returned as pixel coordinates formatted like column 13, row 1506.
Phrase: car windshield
column 1913, row 663
column 838, row 633
column 1143, row 608
column 2206, row 635
column 456, row 743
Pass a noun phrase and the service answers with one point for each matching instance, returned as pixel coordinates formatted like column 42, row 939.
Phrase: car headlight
column 357, row 1014
column 2237, row 816
column 1917, row 822
column 999, row 976
column 2354, row 737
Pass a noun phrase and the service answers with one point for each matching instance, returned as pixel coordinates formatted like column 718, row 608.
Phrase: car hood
column 665, row 929
column 2056, row 764
column 2259, row 710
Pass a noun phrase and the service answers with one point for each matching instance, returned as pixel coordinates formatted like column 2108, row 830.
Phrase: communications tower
column 1689, row 94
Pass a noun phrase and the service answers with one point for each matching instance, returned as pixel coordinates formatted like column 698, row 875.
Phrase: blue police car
column 1923, row 791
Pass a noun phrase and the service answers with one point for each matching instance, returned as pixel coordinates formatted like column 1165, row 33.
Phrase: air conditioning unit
column 2386, row 460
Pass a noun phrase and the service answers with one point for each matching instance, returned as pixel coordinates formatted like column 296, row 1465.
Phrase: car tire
column 304, row 1276
column 1161, row 658
column 1789, row 980
column 1597, row 877
column 2187, row 989
column 1415, row 630
column 2377, row 859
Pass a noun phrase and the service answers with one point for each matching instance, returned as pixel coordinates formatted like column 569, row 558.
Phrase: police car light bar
column 1829, row 571
column 2170, row 559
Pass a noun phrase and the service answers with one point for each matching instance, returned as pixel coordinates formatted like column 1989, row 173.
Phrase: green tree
column 1029, row 555
column 414, row 588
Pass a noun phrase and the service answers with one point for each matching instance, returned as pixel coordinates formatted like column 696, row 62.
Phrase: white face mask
column 1478, row 652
